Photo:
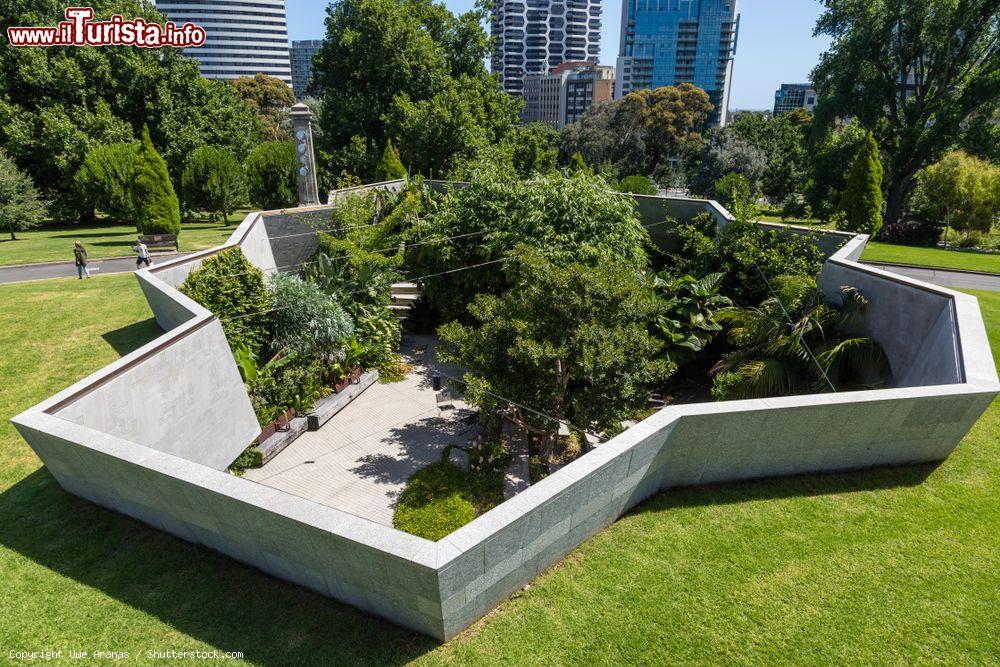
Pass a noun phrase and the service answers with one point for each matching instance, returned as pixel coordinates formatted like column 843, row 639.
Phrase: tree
column 603, row 136
column 58, row 104
column 306, row 321
column 862, row 199
column 782, row 140
column 578, row 166
column 637, row 184
column 272, row 182
column 913, row 72
column 382, row 63
column 831, row 159
column 961, row 190
column 105, row 179
column 20, row 206
column 213, row 181
column 795, row 341
column 725, row 153
column 389, row 168
column 271, row 99
column 733, row 191
column 586, row 357
column 534, row 149
column 156, row 205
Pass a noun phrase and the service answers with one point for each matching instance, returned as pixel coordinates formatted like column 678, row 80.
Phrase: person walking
column 81, row 260
column 143, row 251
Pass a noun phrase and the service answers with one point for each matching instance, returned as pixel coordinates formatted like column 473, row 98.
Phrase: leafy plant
column 637, row 184
column 307, row 321
column 213, row 181
column 105, row 179
column 272, row 182
column 687, row 320
column 20, row 206
column 795, row 341
column 389, row 168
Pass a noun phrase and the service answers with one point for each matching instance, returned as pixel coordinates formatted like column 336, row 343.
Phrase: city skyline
column 776, row 44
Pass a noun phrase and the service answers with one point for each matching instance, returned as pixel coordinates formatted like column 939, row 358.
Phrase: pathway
column 25, row 272
column 944, row 277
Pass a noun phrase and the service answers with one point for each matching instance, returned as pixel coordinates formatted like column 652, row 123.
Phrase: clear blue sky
column 776, row 44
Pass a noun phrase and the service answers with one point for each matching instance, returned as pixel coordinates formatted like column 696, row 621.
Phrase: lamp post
column 305, row 158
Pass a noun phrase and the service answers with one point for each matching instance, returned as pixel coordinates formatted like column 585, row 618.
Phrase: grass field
column 55, row 243
column 945, row 259
column 885, row 566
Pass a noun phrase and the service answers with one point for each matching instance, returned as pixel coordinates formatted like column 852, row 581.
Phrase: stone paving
column 359, row 461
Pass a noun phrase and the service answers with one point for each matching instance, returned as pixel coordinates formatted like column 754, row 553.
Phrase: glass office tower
column 666, row 42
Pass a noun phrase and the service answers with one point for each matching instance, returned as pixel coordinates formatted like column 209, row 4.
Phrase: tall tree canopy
column 387, row 67
column 913, row 72
column 58, row 103
column 271, row 98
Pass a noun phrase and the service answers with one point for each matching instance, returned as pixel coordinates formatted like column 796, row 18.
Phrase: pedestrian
column 143, row 251
column 81, row 260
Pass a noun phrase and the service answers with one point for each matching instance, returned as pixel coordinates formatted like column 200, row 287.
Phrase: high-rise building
column 302, row 53
column 533, row 36
column 667, row 42
column 564, row 94
column 242, row 38
column 794, row 96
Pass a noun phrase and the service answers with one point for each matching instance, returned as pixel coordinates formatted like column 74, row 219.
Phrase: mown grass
column 884, row 566
column 937, row 257
column 102, row 240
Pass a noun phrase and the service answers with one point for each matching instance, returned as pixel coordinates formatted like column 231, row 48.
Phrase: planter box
column 327, row 407
column 278, row 440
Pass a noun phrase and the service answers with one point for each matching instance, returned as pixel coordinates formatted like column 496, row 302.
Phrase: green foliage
column 637, row 184
column 272, row 182
column 251, row 457
column 105, row 179
column 775, row 358
column 733, row 191
column 20, row 206
column 831, row 160
column 271, row 98
column 568, row 217
column 569, row 341
column 947, row 54
column 295, row 382
column 307, row 321
column 156, row 205
column 687, row 319
column 435, row 502
column 230, row 286
column 213, row 181
column 389, row 168
column 862, row 199
column 534, row 149
column 578, row 166
column 960, row 190
column 726, row 153
column 782, row 141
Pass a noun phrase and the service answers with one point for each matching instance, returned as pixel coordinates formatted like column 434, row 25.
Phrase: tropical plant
column 797, row 342
column 861, row 201
column 270, row 174
column 249, row 363
column 686, row 321
column 213, row 181
column 20, row 206
column 157, row 208
column 307, row 321
column 105, row 179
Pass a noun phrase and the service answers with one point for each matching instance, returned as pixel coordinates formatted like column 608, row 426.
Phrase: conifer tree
column 861, row 201
column 157, row 208
column 389, row 168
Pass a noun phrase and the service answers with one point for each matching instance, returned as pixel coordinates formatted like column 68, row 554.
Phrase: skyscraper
column 666, row 42
column 243, row 38
column 533, row 36
column 794, row 96
column 302, row 64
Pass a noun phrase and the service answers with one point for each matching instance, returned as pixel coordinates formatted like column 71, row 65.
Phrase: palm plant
column 798, row 342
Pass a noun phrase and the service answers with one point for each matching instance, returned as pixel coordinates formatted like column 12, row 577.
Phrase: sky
column 775, row 45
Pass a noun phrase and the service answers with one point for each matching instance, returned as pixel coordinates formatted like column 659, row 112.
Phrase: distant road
column 26, row 272
column 944, row 277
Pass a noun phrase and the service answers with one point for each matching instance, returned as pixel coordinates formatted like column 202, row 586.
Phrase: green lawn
column 946, row 259
column 884, row 566
column 55, row 243
column 774, row 215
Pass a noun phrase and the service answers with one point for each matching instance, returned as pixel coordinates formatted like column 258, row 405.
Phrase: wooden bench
column 161, row 241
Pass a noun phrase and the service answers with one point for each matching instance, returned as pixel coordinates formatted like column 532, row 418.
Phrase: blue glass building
column 667, row 42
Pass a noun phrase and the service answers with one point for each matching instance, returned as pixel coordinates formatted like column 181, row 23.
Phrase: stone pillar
column 305, row 158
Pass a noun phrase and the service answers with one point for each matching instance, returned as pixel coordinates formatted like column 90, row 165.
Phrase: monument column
column 305, row 157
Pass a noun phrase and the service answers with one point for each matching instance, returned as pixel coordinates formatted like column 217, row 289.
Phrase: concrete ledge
column 327, row 407
column 278, row 442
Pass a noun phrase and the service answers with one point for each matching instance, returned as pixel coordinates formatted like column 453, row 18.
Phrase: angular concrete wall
column 945, row 369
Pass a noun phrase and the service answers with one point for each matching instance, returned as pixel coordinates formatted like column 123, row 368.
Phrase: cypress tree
column 157, row 208
column 389, row 168
column 861, row 201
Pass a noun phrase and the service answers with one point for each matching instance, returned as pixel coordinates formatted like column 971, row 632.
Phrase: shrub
column 389, row 168
column 272, row 182
column 912, row 232
column 307, row 321
column 733, row 190
column 231, row 287
column 105, row 179
column 435, row 502
column 157, row 208
column 960, row 189
column 638, row 185
column 794, row 208
column 293, row 382
column 213, row 181
column 861, row 201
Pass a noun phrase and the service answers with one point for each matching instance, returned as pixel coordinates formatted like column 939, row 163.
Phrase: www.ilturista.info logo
column 80, row 30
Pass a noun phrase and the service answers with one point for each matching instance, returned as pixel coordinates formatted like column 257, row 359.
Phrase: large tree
column 913, row 72
column 56, row 104
column 20, row 206
column 782, row 140
column 272, row 98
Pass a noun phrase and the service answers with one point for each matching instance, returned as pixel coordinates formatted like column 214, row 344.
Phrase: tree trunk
column 900, row 187
column 12, row 236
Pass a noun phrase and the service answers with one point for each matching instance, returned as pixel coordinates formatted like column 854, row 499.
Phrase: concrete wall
column 945, row 368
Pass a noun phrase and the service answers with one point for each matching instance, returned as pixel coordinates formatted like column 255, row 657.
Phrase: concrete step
column 405, row 288
column 405, row 299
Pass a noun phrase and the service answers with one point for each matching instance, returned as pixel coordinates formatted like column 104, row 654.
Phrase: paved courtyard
column 359, row 461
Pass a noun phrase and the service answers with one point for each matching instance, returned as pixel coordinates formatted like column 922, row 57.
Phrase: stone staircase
column 404, row 296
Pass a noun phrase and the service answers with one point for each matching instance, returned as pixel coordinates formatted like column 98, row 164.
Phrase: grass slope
column 884, row 566
column 945, row 259
column 55, row 243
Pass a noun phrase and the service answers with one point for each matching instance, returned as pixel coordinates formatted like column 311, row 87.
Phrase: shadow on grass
column 198, row 592
column 132, row 336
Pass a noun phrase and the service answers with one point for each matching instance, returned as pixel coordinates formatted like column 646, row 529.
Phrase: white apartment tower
column 243, row 37
column 534, row 36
